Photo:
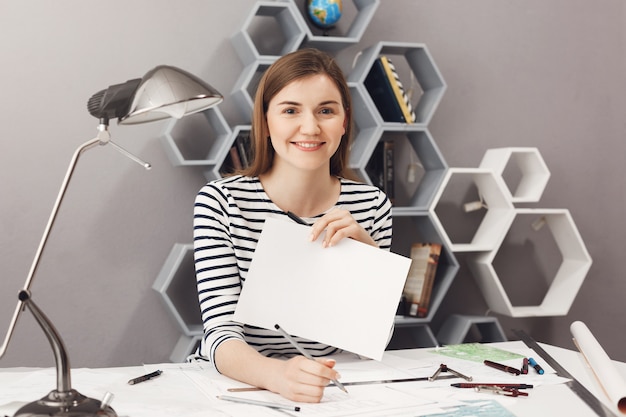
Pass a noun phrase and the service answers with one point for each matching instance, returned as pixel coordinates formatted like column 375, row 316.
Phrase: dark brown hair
column 293, row 66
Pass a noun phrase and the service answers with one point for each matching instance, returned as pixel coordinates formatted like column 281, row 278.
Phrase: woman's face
column 306, row 121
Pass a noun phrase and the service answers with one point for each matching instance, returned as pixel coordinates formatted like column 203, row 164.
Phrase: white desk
column 189, row 390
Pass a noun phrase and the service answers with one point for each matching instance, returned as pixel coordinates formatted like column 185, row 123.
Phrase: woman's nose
column 309, row 125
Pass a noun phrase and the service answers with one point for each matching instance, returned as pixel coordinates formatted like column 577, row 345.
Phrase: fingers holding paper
column 339, row 224
column 304, row 379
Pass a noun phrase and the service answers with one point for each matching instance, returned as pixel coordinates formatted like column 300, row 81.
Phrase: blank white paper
column 344, row 296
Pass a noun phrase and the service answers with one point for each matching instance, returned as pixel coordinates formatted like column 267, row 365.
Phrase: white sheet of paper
column 344, row 296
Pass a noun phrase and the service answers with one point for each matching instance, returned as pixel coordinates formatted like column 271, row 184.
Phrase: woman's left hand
column 339, row 224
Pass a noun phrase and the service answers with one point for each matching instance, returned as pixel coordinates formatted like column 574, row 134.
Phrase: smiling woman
column 300, row 136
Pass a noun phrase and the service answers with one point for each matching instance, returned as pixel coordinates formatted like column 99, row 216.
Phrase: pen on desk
column 502, row 367
column 145, row 377
column 296, row 218
column 305, row 353
column 261, row 403
column 535, row 365
column 490, row 384
column 525, row 366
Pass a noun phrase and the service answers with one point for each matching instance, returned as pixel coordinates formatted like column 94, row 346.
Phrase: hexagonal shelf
column 458, row 328
column 409, row 334
column 563, row 288
column 204, row 133
column 185, row 346
column 413, row 145
column 533, row 173
column 419, row 63
column 272, row 29
column 245, row 87
column 176, row 283
column 498, row 215
column 347, row 32
column 221, row 168
column 419, row 227
column 366, row 131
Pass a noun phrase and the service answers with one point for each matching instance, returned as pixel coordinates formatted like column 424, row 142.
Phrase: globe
column 324, row 13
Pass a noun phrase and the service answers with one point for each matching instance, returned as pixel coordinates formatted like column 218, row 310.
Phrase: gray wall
column 549, row 75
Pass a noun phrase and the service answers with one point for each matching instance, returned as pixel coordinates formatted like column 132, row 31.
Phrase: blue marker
column 535, row 365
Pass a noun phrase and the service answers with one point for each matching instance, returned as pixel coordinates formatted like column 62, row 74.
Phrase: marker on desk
column 490, row 384
column 261, row 403
column 145, row 377
column 305, row 353
column 525, row 366
column 502, row 367
column 535, row 365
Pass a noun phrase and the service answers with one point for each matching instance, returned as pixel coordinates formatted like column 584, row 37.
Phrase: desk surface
column 191, row 389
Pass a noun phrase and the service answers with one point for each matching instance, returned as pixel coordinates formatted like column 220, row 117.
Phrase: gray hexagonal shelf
column 456, row 329
column 420, row 64
column 419, row 227
column 245, row 87
column 414, row 141
column 366, row 131
column 347, row 32
column 176, row 283
column 239, row 130
column 272, row 29
column 204, row 133
column 498, row 215
column 564, row 286
column 527, row 185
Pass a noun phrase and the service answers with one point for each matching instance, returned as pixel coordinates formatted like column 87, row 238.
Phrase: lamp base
column 65, row 404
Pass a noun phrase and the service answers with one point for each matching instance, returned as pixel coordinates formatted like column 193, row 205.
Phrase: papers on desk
column 344, row 296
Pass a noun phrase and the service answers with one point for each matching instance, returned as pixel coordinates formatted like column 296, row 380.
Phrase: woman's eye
column 327, row 111
column 290, row 111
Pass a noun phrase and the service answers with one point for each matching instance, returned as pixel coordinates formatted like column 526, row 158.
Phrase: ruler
column 583, row 393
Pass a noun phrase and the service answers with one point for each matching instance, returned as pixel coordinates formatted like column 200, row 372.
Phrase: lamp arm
column 60, row 354
column 102, row 138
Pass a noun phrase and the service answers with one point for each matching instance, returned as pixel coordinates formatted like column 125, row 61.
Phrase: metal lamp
column 162, row 93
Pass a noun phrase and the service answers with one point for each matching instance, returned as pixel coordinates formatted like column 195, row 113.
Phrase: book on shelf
column 385, row 88
column 380, row 168
column 420, row 278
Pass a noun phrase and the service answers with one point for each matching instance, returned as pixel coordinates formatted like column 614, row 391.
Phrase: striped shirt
column 229, row 214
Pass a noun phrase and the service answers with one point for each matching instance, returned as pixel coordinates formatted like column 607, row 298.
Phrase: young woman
column 302, row 122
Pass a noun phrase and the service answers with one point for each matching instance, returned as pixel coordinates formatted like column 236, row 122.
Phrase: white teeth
column 307, row 145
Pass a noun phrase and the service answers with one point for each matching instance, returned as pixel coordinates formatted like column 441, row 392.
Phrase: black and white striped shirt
column 229, row 214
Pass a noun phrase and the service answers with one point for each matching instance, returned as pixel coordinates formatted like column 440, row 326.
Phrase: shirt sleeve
column 217, row 273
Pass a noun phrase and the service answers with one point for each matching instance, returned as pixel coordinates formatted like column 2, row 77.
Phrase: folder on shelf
column 386, row 90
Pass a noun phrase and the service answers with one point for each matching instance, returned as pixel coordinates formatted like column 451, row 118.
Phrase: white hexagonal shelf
column 272, row 29
column 564, row 287
column 176, row 283
column 204, row 133
column 347, row 32
column 498, row 215
column 533, row 172
column 420, row 64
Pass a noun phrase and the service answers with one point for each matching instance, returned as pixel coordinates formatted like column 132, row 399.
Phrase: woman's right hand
column 304, row 380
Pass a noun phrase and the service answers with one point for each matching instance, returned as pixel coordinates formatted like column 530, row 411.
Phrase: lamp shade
column 167, row 91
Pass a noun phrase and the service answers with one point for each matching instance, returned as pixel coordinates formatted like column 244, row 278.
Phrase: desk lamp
column 163, row 92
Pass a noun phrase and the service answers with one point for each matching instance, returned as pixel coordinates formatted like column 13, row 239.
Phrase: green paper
column 476, row 352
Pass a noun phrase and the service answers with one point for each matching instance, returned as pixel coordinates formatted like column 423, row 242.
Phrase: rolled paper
column 604, row 369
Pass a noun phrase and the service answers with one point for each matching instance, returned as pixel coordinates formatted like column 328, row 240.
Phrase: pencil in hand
column 305, row 353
